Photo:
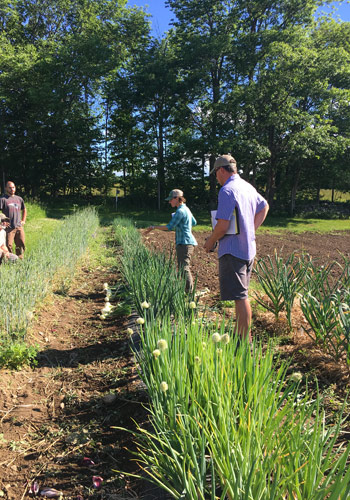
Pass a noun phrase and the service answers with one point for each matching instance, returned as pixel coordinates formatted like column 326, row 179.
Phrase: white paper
column 233, row 227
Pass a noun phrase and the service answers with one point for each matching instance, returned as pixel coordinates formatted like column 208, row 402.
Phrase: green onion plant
column 27, row 281
column 226, row 423
column 280, row 282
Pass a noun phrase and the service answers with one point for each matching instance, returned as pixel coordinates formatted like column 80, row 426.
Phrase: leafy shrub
column 17, row 354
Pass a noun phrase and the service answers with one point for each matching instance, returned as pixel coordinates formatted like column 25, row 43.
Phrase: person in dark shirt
column 14, row 208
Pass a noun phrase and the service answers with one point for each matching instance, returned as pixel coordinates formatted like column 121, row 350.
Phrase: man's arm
column 24, row 216
column 160, row 228
column 219, row 231
column 260, row 216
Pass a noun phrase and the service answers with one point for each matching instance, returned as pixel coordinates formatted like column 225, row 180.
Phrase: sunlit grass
column 36, row 229
column 339, row 196
column 23, row 284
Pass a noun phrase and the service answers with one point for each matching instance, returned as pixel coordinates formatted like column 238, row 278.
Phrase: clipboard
column 234, row 224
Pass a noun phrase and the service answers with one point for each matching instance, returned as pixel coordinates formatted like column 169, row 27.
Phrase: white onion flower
column 162, row 345
column 145, row 305
column 219, row 351
column 156, row 353
column 107, row 308
column 192, row 305
column 129, row 331
column 216, row 337
column 225, row 338
column 140, row 321
column 296, row 377
column 163, row 386
column 105, row 286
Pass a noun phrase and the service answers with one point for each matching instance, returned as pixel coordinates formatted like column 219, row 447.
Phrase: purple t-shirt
column 239, row 194
column 12, row 207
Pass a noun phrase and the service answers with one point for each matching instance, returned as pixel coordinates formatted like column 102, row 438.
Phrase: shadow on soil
column 71, row 358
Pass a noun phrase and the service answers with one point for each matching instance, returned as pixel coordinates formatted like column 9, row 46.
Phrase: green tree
column 54, row 59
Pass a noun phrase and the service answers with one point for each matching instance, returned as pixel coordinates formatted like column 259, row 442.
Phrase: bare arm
column 260, row 217
column 4, row 250
column 219, row 231
column 160, row 228
column 24, row 216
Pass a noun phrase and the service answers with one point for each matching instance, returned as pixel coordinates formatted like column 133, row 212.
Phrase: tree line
column 87, row 91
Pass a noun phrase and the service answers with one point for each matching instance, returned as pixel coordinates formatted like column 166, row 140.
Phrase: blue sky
column 161, row 15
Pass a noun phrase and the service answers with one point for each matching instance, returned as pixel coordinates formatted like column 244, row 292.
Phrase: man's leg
column 10, row 236
column 20, row 242
column 184, row 253
column 234, row 277
column 243, row 318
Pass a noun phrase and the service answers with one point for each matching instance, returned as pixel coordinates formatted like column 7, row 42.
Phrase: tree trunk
column 106, row 134
column 212, row 184
column 160, row 163
column 294, row 189
column 271, row 175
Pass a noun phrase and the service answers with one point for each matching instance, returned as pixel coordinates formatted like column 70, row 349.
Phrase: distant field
column 326, row 195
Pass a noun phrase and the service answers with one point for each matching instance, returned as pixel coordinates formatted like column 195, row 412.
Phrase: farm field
column 85, row 383
column 323, row 248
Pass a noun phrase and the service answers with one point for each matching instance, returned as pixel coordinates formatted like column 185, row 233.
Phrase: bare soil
column 322, row 247
column 85, row 383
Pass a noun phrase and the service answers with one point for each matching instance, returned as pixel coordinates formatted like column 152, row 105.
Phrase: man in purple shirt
column 14, row 208
column 237, row 200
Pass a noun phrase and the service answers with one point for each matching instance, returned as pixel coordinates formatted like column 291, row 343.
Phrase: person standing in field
column 182, row 221
column 4, row 251
column 237, row 200
column 14, row 208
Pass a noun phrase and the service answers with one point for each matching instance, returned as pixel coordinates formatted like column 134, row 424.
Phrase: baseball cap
column 4, row 218
column 174, row 193
column 223, row 161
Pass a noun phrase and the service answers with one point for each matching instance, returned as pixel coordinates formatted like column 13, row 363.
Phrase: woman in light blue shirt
column 182, row 222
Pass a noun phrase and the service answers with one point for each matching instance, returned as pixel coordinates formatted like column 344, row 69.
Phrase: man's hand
column 209, row 244
column 23, row 222
column 219, row 231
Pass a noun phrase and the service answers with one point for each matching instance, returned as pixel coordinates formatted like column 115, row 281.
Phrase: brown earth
column 322, row 247
column 85, row 383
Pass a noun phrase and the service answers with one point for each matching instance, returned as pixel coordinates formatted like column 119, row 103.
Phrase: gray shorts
column 234, row 277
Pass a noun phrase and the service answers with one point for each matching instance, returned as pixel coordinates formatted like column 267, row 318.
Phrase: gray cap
column 223, row 161
column 4, row 218
column 174, row 193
